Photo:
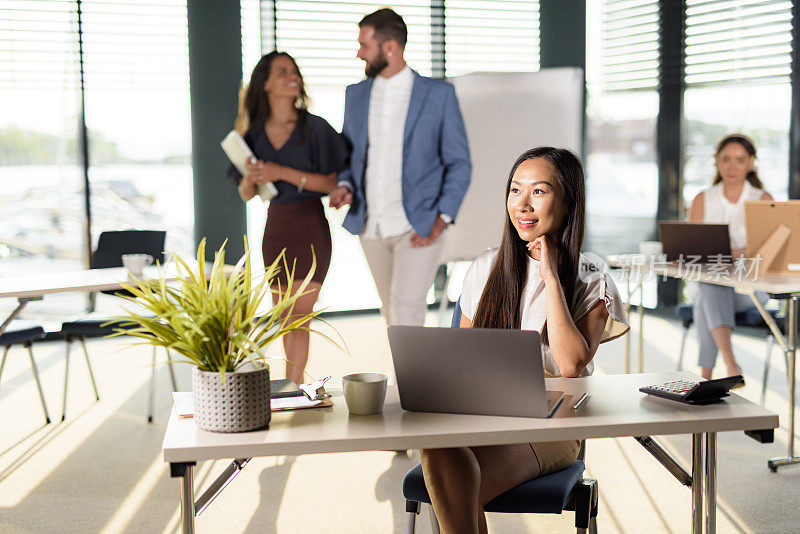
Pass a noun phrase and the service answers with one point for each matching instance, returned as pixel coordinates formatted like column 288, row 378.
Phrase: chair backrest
column 112, row 245
column 456, row 320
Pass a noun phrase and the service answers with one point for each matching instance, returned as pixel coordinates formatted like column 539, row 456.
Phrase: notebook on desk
column 480, row 371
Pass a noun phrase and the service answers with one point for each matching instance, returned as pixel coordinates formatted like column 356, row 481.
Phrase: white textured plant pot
column 238, row 405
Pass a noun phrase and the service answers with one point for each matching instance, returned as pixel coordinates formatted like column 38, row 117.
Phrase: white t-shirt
column 718, row 209
column 388, row 110
column 590, row 289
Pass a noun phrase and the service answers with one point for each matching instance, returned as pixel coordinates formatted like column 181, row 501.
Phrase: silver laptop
column 478, row 371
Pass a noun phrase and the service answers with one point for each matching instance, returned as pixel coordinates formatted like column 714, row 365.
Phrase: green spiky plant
column 213, row 322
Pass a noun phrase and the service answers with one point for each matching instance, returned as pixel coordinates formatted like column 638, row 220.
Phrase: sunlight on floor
column 102, row 470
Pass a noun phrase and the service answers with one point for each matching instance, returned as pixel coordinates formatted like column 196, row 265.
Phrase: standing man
column 409, row 168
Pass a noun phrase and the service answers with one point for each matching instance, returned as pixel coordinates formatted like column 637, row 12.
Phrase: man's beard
column 374, row 68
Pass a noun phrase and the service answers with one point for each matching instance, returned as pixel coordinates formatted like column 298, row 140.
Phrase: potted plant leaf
column 213, row 323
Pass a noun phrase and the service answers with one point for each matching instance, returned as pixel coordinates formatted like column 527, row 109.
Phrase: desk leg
column 640, row 288
column 711, row 483
column 697, row 483
column 641, row 326
column 183, row 471
column 791, row 350
column 627, row 310
column 22, row 302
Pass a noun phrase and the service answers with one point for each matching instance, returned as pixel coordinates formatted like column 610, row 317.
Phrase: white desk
column 780, row 286
column 35, row 287
column 616, row 408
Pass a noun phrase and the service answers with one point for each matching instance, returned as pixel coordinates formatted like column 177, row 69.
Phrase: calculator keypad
column 677, row 386
column 689, row 391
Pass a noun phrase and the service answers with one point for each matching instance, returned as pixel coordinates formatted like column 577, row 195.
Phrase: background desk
column 616, row 408
column 780, row 286
column 36, row 287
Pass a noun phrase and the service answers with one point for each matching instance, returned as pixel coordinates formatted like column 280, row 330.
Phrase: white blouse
column 588, row 290
column 718, row 209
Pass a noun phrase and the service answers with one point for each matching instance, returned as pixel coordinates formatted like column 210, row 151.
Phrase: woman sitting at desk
column 735, row 183
column 536, row 280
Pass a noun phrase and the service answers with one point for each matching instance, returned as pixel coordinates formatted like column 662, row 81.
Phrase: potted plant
column 213, row 323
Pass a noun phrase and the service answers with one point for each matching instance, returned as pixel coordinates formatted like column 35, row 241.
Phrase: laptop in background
column 709, row 241
column 479, row 371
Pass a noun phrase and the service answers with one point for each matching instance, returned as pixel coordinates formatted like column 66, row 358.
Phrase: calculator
column 692, row 392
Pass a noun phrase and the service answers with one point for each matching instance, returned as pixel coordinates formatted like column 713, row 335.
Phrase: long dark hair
column 499, row 306
column 750, row 147
column 256, row 104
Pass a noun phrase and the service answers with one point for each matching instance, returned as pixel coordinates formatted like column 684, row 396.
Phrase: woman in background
column 536, row 280
column 301, row 154
column 735, row 182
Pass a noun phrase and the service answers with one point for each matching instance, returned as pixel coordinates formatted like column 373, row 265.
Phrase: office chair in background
column 24, row 333
column 110, row 248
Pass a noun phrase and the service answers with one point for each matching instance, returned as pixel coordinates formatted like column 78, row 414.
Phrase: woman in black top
column 301, row 154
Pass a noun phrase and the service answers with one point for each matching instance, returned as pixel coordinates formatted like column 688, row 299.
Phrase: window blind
column 140, row 46
column 630, row 40
column 322, row 36
column 491, row 36
column 735, row 41
column 38, row 44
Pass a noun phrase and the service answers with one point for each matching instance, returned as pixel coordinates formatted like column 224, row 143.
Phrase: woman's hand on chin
column 546, row 249
column 534, row 249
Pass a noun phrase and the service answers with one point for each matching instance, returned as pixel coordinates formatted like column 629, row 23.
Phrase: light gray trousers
column 716, row 306
column 403, row 275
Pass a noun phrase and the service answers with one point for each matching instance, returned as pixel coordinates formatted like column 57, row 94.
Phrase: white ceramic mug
column 135, row 263
column 364, row 392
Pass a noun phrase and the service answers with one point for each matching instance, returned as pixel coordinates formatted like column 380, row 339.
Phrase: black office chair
column 110, row 248
column 24, row 333
column 549, row 494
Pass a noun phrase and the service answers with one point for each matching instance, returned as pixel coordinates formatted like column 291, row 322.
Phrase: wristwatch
column 446, row 218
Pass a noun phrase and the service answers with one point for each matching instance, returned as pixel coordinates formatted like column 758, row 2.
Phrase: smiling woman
column 531, row 282
column 534, row 206
column 301, row 154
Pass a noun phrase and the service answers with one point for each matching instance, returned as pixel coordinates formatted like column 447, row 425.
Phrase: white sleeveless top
column 718, row 209
column 588, row 291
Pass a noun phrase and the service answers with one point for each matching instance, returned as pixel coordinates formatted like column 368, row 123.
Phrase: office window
column 622, row 107
column 137, row 110
column 322, row 34
column 136, row 94
column 738, row 41
column 493, row 36
column 762, row 112
column 738, row 62
column 41, row 181
column 627, row 42
column 322, row 37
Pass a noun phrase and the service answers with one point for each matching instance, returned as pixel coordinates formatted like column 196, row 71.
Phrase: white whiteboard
column 506, row 114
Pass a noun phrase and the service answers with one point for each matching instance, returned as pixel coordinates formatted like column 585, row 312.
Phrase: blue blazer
column 436, row 164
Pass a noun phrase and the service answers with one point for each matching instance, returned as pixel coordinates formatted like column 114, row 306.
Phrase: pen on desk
column 581, row 401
